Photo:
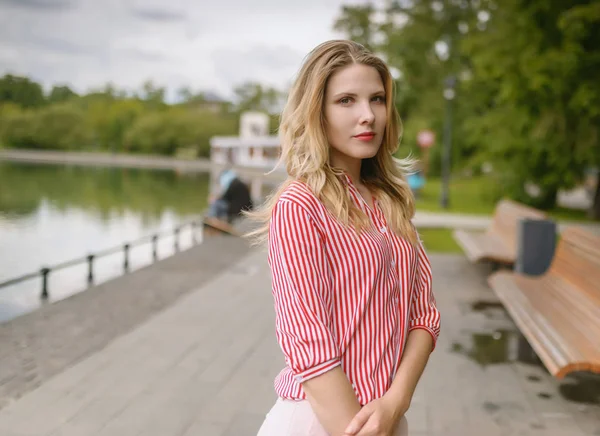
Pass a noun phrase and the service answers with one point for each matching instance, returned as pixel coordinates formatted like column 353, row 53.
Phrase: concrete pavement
column 36, row 346
column 205, row 366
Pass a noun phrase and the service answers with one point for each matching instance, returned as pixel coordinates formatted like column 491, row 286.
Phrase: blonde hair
column 305, row 149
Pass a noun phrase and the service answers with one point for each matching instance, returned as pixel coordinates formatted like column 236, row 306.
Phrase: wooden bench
column 498, row 243
column 559, row 312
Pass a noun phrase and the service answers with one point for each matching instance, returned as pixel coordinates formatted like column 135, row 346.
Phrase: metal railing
column 45, row 271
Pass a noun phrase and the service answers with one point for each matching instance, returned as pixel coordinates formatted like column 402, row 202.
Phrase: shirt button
column 383, row 230
column 393, row 263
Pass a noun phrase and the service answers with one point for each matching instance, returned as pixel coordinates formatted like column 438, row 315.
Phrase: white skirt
column 296, row 418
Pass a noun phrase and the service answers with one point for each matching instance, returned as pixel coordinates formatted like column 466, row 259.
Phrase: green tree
column 21, row 91
column 17, row 127
column 60, row 126
column 527, row 93
column 166, row 131
column 538, row 61
column 420, row 41
column 356, row 23
column 60, row 94
column 254, row 96
column 153, row 95
column 108, row 120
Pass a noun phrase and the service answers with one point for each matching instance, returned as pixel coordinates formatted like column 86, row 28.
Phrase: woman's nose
column 366, row 116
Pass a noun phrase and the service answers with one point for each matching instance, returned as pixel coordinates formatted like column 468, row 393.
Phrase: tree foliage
column 528, row 97
column 112, row 120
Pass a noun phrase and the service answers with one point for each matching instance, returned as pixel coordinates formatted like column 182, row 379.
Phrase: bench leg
column 525, row 352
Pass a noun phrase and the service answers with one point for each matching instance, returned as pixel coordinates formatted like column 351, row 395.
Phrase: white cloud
column 206, row 46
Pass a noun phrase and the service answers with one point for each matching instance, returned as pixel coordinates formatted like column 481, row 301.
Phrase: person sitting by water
column 234, row 199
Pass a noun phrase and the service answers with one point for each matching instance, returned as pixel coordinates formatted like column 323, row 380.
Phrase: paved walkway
column 205, row 366
column 36, row 346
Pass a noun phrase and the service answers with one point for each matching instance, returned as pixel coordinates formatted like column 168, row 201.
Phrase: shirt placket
column 377, row 219
column 380, row 223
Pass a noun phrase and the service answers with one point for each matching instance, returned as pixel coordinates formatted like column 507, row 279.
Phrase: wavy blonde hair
column 305, row 149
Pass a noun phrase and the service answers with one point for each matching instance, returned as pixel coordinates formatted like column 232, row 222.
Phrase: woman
column 355, row 316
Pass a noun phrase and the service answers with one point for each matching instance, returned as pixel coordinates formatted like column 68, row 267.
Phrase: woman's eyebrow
column 351, row 94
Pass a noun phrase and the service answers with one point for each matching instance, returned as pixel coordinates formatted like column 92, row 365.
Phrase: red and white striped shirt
column 343, row 300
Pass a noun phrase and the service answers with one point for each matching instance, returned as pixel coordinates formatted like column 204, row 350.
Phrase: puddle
column 499, row 346
column 482, row 305
column 489, row 309
column 505, row 346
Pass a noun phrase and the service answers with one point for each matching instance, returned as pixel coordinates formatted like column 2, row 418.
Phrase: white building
column 258, row 152
column 254, row 147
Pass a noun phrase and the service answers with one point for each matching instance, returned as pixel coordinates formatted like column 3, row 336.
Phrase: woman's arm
column 414, row 359
column 303, row 313
column 333, row 400
column 424, row 329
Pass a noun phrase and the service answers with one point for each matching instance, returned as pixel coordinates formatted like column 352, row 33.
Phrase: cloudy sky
column 206, row 45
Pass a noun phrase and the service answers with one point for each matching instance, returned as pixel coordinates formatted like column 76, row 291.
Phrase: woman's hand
column 377, row 418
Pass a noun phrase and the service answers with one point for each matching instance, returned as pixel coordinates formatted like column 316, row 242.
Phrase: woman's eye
column 379, row 98
column 345, row 100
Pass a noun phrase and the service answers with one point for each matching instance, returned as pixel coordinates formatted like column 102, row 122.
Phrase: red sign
column 426, row 138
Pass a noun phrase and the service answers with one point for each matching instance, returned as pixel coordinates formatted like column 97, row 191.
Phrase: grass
column 475, row 196
column 439, row 241
column 469, row 196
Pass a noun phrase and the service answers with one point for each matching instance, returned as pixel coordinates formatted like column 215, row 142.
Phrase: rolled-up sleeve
column 424, row 313
column 301, row 291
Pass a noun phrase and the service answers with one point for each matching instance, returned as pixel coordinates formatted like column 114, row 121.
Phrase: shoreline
column 120, row 160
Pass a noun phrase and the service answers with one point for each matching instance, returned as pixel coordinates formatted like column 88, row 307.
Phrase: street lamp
column 449, row 95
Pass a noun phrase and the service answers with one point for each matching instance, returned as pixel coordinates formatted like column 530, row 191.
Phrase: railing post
column 155, row 248
column 90, row 278
column 126, row 261
column 45, row 272
column 176, row 241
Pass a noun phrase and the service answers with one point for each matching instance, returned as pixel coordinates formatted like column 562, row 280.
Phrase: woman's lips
column 365, row 136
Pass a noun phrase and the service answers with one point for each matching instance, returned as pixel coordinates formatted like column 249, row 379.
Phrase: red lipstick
column 365, row 136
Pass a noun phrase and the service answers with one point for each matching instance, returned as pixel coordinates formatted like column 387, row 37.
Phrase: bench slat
column 557, row 355
column 483, row 246
column 498, row 243
column 573, row 317
column 559, row 312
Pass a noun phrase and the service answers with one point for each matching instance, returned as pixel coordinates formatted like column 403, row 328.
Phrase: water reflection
column 489, row 348
column 105, row 192
column 52, row 214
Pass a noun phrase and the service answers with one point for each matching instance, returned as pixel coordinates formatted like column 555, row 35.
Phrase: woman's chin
column 366, row 154
column 364, row 151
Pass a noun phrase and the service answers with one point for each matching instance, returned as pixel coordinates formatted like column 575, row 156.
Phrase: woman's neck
column 350, row 166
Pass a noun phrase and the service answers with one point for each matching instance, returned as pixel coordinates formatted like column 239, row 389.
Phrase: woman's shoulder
column 298, row 193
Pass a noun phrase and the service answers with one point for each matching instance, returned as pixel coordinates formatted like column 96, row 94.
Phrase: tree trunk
column 547, row 198
column 594, row 211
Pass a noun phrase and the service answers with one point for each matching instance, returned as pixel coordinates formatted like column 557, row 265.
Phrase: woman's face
column 355, row 113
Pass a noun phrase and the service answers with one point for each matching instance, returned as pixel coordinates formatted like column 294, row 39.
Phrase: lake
column 51, row 214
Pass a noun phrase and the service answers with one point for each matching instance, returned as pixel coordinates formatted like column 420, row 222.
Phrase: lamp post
column 449, row 95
